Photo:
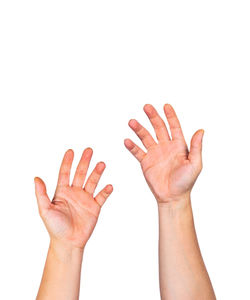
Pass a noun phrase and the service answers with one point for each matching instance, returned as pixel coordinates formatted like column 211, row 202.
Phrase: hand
column 169, row 168
column 72, row 215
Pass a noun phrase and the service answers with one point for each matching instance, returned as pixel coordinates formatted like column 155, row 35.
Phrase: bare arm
column 183, row 274
column 171, row 170
column 70, row 219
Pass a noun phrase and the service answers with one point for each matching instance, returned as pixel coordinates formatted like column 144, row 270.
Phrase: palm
column 73, row 212
column 73, row 215
column 167, row 165
column 167, row 170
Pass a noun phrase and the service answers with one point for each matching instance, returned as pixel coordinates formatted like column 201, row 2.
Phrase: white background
column 72, row 73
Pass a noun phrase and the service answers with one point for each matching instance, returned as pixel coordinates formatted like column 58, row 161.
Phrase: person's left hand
column 169, row 167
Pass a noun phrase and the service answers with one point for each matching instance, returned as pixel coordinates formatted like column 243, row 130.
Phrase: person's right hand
column 72, row 215
column 170, row 169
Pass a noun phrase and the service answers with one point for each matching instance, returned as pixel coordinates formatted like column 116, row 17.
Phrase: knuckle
column 134, row 150
column 92, row 181
column 64, row 173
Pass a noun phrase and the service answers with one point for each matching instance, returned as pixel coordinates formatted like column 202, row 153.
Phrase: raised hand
column 71, row 216
column 170, row 169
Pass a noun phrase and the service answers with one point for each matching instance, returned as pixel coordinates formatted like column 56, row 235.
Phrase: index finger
column 64, row 173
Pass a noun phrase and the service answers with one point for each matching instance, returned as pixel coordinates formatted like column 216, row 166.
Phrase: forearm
column 183, row 274
column 61, row 276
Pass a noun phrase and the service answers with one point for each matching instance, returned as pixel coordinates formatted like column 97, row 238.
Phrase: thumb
column 196, row 148
column 43, row 200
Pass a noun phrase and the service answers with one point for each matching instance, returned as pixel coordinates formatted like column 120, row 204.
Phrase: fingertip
column 128, row 144
column 167, row 106
column 88, row 151
column 197, row 137
column 200, row 133
column 132, row 123
column 70, row 151
column 100, row 166
column 69, row 154
column 109, row 188
column 39, row 185
column 147, row 106
column 149, row 110
column 37, row 180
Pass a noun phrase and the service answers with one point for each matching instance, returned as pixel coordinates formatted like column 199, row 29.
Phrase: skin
column 171, row 169
column 70, row 219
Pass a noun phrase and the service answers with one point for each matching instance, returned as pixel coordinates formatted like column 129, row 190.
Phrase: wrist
column 175, row 207
column 65, row 252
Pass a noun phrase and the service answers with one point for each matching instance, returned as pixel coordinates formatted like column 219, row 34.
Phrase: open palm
column 170, row 169
column 72, row 214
